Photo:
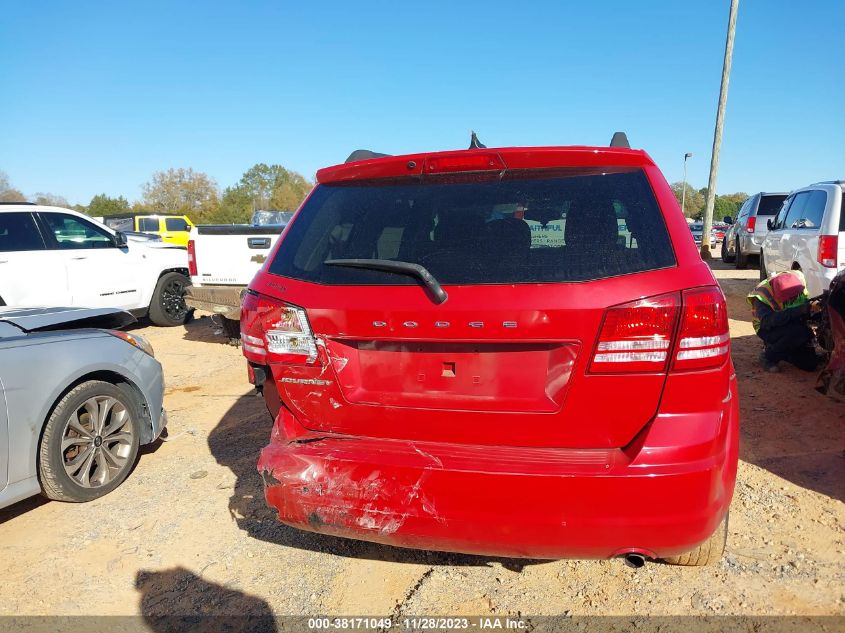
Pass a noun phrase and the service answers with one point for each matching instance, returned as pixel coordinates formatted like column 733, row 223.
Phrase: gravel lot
column 189, row 533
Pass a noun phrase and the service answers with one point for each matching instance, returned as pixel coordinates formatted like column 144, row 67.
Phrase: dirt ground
column 189, row 533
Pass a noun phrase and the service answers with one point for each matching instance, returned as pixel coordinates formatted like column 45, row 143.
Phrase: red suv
column 512, row 352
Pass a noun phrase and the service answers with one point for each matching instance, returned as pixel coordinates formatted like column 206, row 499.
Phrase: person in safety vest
column 780, row 306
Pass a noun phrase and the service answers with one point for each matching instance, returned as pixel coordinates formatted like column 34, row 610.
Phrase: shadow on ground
column 206, row 330
column 786, row 426
column 22, row 507
column 177, row 600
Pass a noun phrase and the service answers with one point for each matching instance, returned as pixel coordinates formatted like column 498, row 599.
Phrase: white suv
column 808, row 234
column 51, row 256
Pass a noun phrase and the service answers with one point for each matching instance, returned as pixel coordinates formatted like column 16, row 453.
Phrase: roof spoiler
column 620, row 139
column 364, row 154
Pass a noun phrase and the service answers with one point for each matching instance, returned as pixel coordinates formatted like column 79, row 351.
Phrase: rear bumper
column 751, row 244
column 224, row 300
column 654, row 497
column 819, row 280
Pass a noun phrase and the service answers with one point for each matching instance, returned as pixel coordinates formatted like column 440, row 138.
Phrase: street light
column 684, row 189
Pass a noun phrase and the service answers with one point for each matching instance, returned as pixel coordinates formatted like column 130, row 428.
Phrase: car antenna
column 474, row 143
column 620, row 139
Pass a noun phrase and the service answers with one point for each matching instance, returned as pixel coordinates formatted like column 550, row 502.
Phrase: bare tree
column 7, row 192
column 51, row 200
column 181, row 191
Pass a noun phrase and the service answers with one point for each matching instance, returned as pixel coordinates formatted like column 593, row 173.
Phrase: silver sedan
column 78, row 396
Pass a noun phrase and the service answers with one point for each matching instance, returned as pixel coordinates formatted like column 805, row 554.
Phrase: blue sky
column 97, row 96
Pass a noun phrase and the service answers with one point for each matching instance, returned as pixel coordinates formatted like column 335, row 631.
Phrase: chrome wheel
column 97, row 441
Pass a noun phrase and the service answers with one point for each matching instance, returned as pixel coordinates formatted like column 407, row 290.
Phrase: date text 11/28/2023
column 416, row 623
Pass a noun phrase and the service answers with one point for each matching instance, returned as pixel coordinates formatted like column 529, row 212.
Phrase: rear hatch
column 522, row 351
column 767, row 209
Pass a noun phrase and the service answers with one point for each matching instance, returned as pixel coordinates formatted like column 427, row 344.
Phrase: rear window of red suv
column 522, row 227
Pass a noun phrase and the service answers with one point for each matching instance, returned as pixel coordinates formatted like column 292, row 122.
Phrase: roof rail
column 830, row 182
column 32, row 204
column 620, row 139
column 364, row 154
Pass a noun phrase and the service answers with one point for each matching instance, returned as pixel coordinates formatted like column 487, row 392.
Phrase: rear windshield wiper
column 401, row 268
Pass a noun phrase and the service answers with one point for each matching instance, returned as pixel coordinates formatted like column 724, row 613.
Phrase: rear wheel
column 726, row 257
column 708, row 553
column 168, row 307
column 763, row 272
column 90, row 442
column 741, row 258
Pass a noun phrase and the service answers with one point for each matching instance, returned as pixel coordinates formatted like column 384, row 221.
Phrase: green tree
column 7, row 192
column 274, row 187
column 181, row 191
column 694, row 202
column 737, row 198
column 235, row 207
column 102, row 205
column 723, row 206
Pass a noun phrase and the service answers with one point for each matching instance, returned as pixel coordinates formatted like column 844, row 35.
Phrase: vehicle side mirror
column 119, row 240
column 728, row 219
column 769, row 224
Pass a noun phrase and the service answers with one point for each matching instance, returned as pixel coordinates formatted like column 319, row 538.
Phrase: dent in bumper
column 326, row 491
column 516, row 502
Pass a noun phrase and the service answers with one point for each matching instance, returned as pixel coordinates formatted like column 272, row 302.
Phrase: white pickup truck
column 50, row 256
column 223, row 259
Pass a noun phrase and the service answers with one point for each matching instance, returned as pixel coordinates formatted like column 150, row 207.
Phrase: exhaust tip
column 635, row 561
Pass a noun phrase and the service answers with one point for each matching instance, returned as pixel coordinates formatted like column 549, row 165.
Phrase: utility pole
column 684, row 190
column 717, row 134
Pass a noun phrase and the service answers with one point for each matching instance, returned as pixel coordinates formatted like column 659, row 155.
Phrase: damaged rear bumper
column 658, row 500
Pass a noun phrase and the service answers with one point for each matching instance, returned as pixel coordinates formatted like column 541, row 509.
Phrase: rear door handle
column 80, row 257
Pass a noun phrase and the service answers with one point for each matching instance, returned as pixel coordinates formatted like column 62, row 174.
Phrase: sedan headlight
column 133, row 339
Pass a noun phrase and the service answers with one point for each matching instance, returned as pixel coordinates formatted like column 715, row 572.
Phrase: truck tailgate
column 231, row 254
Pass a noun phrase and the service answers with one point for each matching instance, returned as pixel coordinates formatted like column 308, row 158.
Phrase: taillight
column 752, row 222
column 272, row 330
column 828, row 245
column 703, row 339
column 636, row 336
column 192, row 259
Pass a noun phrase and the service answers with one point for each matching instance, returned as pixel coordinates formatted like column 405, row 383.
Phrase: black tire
column 725, row 257
column 763, row 272
column 121, row 443
column 741, row 258
column 168, row 307
column 708, row 553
